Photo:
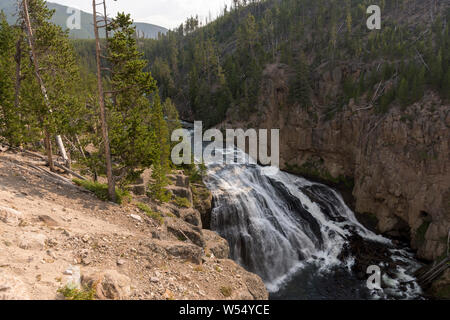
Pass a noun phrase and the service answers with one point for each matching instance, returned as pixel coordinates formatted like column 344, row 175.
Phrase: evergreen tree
column 9, row 121
column 403, row 92
column 171, row 114
column 301, row 89
column 55, row 72
column 160, row 152
column 129, row 120
column 436, row 70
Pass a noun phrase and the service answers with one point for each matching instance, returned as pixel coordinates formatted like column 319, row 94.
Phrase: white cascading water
column 278, row 224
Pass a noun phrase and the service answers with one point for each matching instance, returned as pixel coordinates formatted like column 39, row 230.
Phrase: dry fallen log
column 56, row 164
column 45, row 174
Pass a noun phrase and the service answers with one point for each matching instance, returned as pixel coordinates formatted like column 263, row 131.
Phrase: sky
column 165, row 13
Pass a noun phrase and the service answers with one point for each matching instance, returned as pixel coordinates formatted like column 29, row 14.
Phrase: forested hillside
column 363, row 108
column 212, row 69
column 86, row 31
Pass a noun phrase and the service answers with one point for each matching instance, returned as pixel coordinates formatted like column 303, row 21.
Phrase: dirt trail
column 48, row 229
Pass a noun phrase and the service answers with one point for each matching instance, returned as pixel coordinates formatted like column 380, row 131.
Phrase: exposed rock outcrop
column 441, row 287
column 216, row 245
column 202, row 201
column 398, row 161
column 186, row 251
column 108, row 285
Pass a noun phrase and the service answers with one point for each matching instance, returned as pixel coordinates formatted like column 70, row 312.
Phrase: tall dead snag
column 101, row 100
column 48, row 145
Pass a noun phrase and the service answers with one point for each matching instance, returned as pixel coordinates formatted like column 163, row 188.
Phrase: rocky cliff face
column 396, row 163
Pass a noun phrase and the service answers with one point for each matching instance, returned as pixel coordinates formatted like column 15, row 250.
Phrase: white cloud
column 166, row 13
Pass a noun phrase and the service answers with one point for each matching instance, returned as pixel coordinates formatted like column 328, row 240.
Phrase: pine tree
column 9, row 121
column 138, row 131
column 161, row 152
column 403, row 92
column 162, row 72
column 171, row 114
column 49, row 98
column 301, row 89
column 436, row 70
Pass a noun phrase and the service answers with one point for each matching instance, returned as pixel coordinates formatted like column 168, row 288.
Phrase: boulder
column 144, row 178
column 74, row 277
column 109, row 285
column 12, row 288
column 186, row 251
column 216, row 245
column 10, row 216
column 32, row 241
column 185, row 232
column 139, row 190
column 182, row 181
column 191, row 216
column 181, row 192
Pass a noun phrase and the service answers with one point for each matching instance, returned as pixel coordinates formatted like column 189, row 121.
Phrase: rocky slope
column 397, row 163
column 54, row 234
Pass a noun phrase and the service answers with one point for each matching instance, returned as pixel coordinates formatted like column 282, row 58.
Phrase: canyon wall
column 396, row 163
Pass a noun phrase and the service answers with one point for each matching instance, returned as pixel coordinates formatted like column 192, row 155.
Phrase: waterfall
column 279, row 224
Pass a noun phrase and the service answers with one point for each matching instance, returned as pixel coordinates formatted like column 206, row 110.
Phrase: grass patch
column 84, row 293
column 199, row 269
column 150, row 213
column 226, row 291
column 101, row 190
column 182, row 202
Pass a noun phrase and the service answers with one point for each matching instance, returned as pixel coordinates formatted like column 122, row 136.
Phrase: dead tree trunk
column 43, row 89
column 101, row 100
column 48, row 150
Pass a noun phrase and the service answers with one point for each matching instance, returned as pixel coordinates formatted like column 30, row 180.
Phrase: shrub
column 70, row 293
column 101, row 190
column 226, row 291
column 182, row 202
column 152, row 214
